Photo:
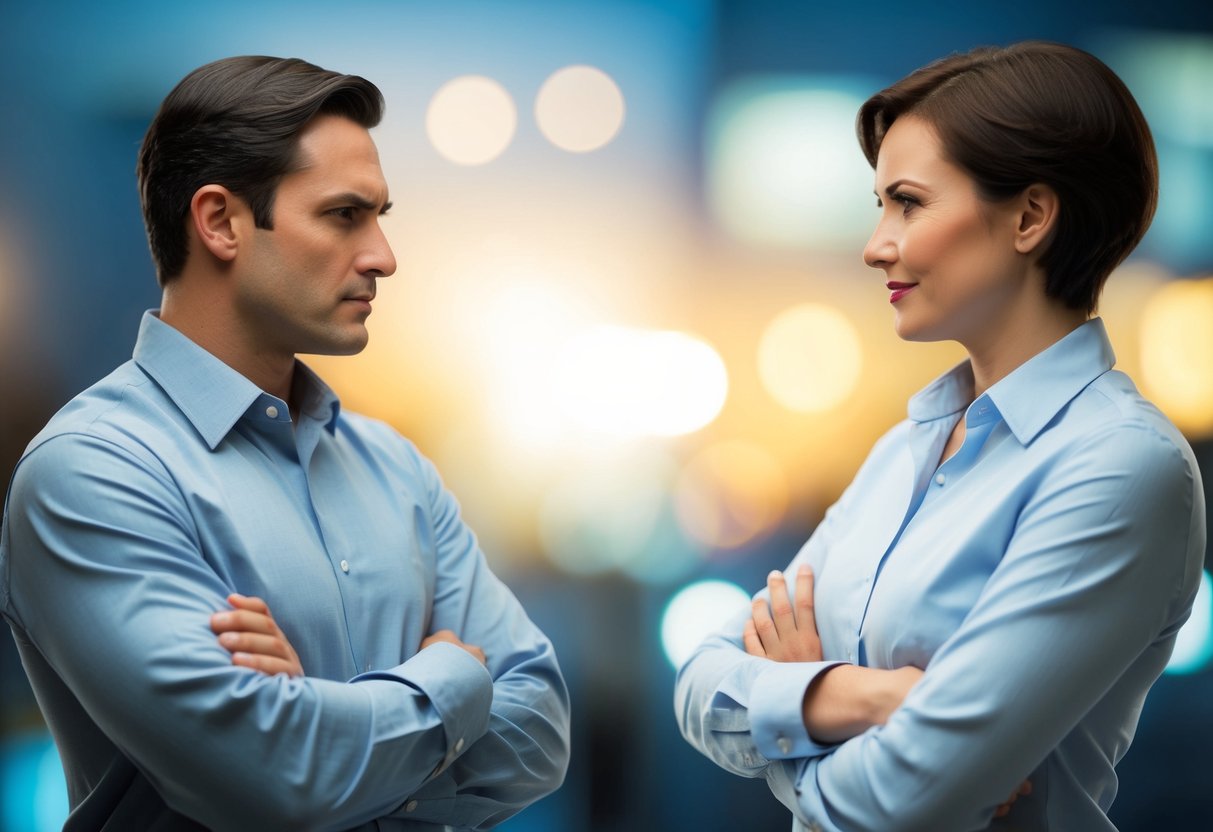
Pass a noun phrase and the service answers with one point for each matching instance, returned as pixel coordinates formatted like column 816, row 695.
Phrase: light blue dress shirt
column 1039, row 576
column 175, row 481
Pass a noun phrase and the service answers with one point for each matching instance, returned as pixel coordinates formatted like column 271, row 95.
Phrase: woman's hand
column 785, row 632
column 254, row 639
column 1025, row 789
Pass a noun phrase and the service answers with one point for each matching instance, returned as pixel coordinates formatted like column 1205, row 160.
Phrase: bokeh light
column 810, row 358
column 695, row 613
column 784, row 168
column 33, row 791
column 635, row 382
column 579, row 108
column 1194, row 644
column 1177, row 353
column 471, row 120
column 730, row 493
column 594, row 524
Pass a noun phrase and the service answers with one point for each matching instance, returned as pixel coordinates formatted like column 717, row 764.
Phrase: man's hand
column 254, row 639
column 449, row 636
column 782, row 632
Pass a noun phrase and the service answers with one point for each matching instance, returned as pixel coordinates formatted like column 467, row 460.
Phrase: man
column 396, row 680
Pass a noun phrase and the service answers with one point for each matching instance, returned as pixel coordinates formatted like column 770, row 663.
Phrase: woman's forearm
column 846, row 700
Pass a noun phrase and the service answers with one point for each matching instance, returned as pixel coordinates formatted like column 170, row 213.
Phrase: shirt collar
column 211, row 394
column 1034, row 392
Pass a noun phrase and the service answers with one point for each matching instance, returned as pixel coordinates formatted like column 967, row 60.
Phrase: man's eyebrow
column 361, row 202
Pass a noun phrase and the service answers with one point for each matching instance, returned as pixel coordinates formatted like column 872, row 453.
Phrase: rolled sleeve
column 776, row 712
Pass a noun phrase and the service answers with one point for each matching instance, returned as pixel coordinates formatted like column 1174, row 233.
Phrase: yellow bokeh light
column 730, row 493
column 1177, row 353
column 810, row 357
column 634, row 382
column 579, row 109
column 471, row 120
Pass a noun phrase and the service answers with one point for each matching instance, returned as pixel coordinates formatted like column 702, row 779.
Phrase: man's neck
column 212, row 326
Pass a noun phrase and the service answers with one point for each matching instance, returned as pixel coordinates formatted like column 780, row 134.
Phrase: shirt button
column 785, row 745
column 345, row 566
column 940, row 479
column 411, row 806
column 272, row 412
column 458, row 745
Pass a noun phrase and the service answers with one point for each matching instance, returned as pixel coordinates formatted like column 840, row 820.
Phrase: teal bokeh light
column 1194, row 646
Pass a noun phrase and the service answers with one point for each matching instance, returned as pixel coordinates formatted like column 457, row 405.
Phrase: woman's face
column 949, row 257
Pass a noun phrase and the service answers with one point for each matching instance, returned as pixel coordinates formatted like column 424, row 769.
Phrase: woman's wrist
column 845, row 700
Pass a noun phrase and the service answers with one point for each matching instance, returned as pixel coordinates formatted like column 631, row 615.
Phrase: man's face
column 306, row 285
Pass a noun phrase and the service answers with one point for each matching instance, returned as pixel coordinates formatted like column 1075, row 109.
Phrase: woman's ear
column 1038, row 206
column 215, row 214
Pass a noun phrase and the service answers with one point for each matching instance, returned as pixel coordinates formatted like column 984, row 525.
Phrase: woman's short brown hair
column 1038, row 112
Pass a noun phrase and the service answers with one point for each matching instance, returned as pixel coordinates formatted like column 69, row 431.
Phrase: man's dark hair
column 236, row 123
column 1038, row 112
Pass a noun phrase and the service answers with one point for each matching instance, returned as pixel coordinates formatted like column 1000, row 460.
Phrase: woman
column 1002, row 583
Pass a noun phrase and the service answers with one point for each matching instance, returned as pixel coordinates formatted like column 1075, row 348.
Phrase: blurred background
column 630, row 324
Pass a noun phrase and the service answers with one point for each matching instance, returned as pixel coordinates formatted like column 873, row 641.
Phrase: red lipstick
column 898, row 290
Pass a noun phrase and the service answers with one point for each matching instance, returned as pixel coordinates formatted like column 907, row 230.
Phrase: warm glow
column 730, row 493
column 1177, row 353
column 810, row 357
column 579, row 108
column 471, row 120
column 634, row 382
column 695, row 613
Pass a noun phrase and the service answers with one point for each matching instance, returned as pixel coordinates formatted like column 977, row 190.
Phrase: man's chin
column 345, row 346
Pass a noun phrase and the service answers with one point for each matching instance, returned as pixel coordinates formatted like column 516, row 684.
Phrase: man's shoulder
column 125, row 409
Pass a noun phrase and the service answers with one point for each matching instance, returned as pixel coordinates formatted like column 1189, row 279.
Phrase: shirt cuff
column 459, row 687
column 777, row 713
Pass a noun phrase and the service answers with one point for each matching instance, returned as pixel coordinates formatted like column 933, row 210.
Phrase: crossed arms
column 110, row 597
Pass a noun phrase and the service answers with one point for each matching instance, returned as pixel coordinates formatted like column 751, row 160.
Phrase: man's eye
column 346, row 213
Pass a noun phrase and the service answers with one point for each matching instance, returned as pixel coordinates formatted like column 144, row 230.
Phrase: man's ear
column 1038, row 206
column 218, row 218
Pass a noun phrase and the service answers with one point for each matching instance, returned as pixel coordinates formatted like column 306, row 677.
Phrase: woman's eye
column 907, row 202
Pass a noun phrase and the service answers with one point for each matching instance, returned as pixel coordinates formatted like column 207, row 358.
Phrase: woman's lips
column 897, row 291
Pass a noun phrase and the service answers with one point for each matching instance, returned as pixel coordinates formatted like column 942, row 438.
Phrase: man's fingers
column 749, row 637
column 249, row 602
column 243, row 621
column 269, row 665
column 260, row 645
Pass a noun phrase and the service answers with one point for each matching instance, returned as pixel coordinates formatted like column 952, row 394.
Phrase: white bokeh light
column 634, row 382
column 784, row 168
column 471, row 120
column 579, row 109
column 695, row 613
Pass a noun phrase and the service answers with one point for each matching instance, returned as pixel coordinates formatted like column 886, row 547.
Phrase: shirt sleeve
column 113, row 591
column 744, row 712
column 524, row 753
column 1097, row 577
